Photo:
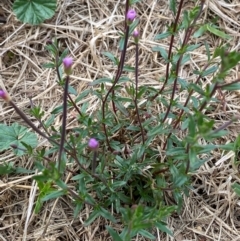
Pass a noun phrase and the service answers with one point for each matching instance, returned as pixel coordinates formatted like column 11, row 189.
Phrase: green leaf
column 229, row 60
column 111, row 57
column 6, row 168
column 77, row 209
column 53, row 195
column 176, row 151
column 162, row 35
column 236, row 188
column 49, row 65
column 95, row 214
column 163, row 227
column 192, row 47
column 107, row 215
column 210, row 70
column 100, row 81
column 57, row 110
column 121, row 43
column 121, row 107
column 82, row 95
column 172, row 6
column 34, row 11
column 217, row 32
column 134, row 1
column 128, row 68
column 207, row 50
column 124, row 79
column 146, row 234
column 200, row 31
column 113, row 233
column 49, row 121
column 22, row 170
column 157, row 130
column 118, row 184
column 72, row 91
column 15, row 135
column 197, row 88
column 185, row 59
column 162, row 52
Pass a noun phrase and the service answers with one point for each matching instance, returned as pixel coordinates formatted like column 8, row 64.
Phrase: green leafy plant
column 131, row 157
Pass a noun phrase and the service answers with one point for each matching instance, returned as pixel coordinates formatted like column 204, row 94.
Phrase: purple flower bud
column 49, row 41
column 93, row 144
column 67, row 63
column 131, row 15
column 136, row 35
column 4, row 95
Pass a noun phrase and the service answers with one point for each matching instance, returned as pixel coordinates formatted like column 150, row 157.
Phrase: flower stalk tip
column 136, row 34
column 93, row 144
column 67, row 64
column 4, row 95
column 131, row 15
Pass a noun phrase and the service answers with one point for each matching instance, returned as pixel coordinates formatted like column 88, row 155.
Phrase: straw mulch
column 87, row 28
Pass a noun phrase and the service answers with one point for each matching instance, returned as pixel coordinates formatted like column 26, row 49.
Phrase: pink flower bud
column 4, row 95
column 67, row 63
column 131, row 15
column 93, row 144
column 136, row 36
column 135, row 33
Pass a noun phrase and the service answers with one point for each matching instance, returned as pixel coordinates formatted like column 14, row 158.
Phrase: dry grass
column 87, row 28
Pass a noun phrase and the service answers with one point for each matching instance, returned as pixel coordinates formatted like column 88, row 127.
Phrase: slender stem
column 136, row 92
column 118, row 75
column 59, row 78
column 185, row 41
column 125, row 27
column 182, row 110
column 94, row 161
column 188, row 161
column 26, row 119
column 74, row 105
column 64, row 122
column 170, row 49
column 224, row 126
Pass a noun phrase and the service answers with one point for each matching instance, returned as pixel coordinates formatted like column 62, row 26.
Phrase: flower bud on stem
column 93, row 144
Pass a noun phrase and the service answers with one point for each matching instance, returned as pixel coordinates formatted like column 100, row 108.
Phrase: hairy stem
column 64, row 122
column 27, row 121
column 118, row 75
column 185, row 41
column 182, row 110
column 136, row 93
column 170, row 49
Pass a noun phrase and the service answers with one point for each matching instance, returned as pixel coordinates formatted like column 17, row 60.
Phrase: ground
column 87, row 28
